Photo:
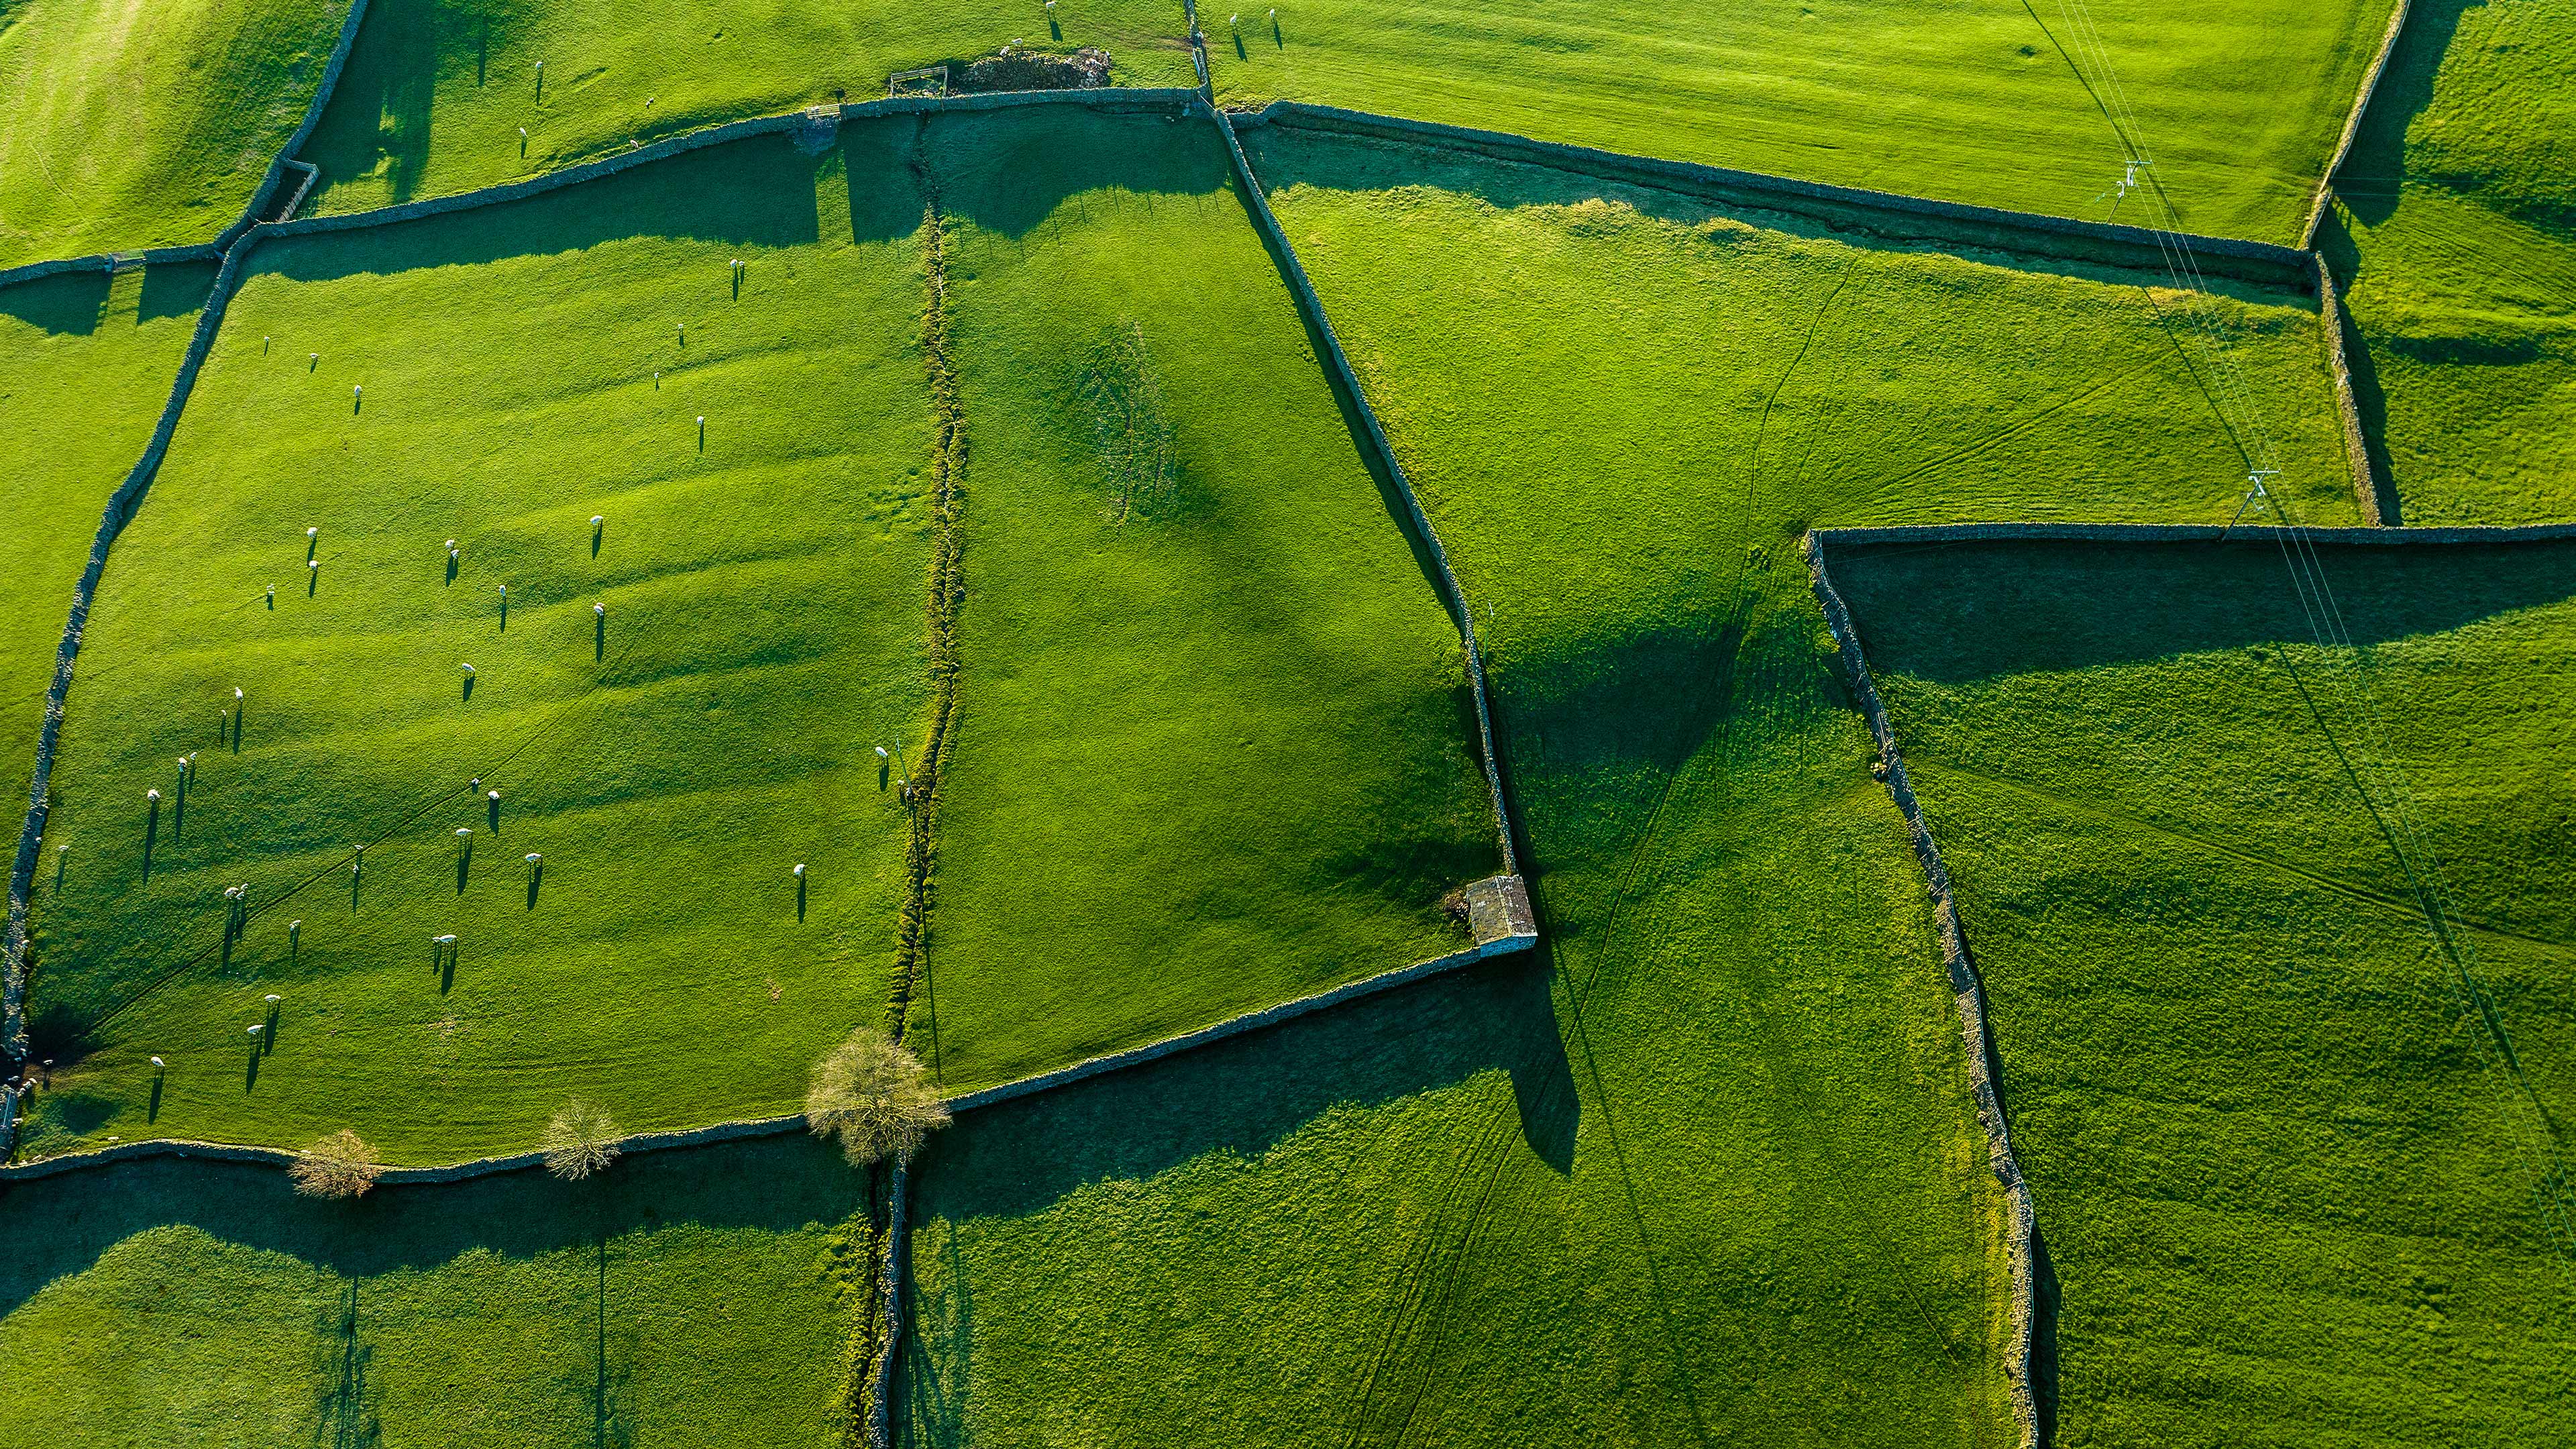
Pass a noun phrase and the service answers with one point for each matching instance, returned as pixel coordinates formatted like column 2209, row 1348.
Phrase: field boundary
column 2190, row 533
column 112, row 262
column 1065, row 1076
column 2352, row 125
column 2376, row 494
column 286, row 154
column 2027, row 233
column 1967, row 994
column 1338, row 366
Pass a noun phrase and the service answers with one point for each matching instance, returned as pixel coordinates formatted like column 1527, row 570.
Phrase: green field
column 1213, row 738
column 2455, row 230
column 86, row 363
column 437, row 91
column 131, row 125
column 1964, row 100
column 1729, row 1185
column 685, row 1299
column 670, row 762
column 2299, row 1160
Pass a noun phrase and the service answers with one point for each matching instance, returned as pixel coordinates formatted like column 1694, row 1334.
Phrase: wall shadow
column 755, row 192
column 1952, row 613
column 378, row 116
column 1286, row 156
column 1008, row 171
column 64, row 304
column 2374, row 172
column 175, row 289
column 61, row 1225
column 1246, row 1095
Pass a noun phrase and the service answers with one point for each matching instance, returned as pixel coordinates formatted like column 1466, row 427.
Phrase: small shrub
column 340, row 1165
column 580, row 1140
column 876, row 1096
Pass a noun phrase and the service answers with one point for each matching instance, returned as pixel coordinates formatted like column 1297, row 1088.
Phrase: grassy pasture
column 670, row 762
column 1214, row 741
column 1728, row 1186
column 687, row 1298
column 130, row 126
column 1966, row 100
column 85, row 366
column 2290, row 1174
column 2455, row 230
column 437, row 91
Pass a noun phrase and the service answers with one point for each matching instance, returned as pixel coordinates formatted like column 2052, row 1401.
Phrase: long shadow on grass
column 61, row 1225
column 379, row 113
column 1008, row 172
column 1245, row 1095
column 64, row 303
column 1242, row 1097
column 2371, row 176
column 1959, row 612
column 757, row 192
column 1285, row 156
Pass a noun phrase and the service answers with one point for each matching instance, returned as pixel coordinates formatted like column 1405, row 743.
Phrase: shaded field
column 683, row 1298
column 131, row 126
column 436, row 93
column 2298, row 1155
column 2454, row 228
column 1214, row 740
column 85, row 365
column 1965, row 100
column 524, row 368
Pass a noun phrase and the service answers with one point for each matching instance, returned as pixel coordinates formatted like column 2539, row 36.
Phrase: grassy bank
column 2455, row 232
column 139, row 126
column 524, row 369
column 1976, row 102
column 684, row 1298
column 2291, row 1148
column 437, row 94
column 85, row 365
column 1213, row 746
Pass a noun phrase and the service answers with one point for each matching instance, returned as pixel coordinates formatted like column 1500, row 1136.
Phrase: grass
column 437, row 91
column 1975, row 102
column 1705, row 1169
column 2289, row 1147
column 147, row 125
column 670, row 761
column 682, row 1298
column 1213, row 742
column 85, row 365
column 2455, row 231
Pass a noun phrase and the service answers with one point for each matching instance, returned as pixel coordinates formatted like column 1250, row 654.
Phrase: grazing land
column 130, row 126
column 1715, row 1144
column 438, row 92
column 2297, row 1153
column 523, row 368
column 684, row 1298
column 1213, row 724
column 86, row 362
column 1963, row 100
column 2454, row 228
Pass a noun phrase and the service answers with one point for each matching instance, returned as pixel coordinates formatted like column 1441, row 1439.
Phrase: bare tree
column 876, row 1096
column 579, row 1141
column 340, row 1165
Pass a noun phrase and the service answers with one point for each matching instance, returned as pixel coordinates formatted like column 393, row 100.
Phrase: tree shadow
column 64, row 304
column 1952, row 613
column 60, row 1226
